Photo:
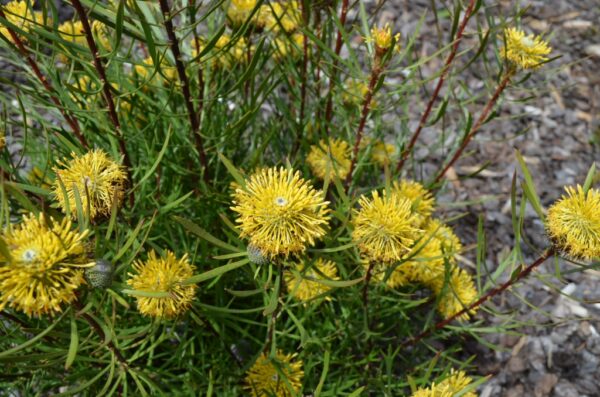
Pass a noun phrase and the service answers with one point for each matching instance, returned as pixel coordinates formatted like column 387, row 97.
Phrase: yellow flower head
column 449, row 387
column 383, row 38
column 382, row 153
column 96, row 178
column 301, row 282
column 2, row 140
column 225, row 53
column 73, row 32
column 355, row 92
column 277, row 16
column 421, row 200
column 527, row 52
column 573, row 223
column 455, row 293
column 20, row 15
column 279, row 377
column 280, row 212
column 288, row 46
column 385, row 227
column 164, row 275
column 165, row 73
column 329, row 159
column 240, row 10
column 45, row 266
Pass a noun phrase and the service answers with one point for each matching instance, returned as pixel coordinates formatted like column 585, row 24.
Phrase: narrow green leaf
column 239, row 178
column 529, row 189
column 146, row 294
column 33, row 340
column 215, row 272
column 72, row 353
column 589, row 179
column 203, row 234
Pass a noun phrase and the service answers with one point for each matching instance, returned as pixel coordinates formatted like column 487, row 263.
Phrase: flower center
column 29, row 255
column 528, row 42
column 280, row 201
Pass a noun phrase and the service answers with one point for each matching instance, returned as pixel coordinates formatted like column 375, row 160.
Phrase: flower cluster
column 573, row 223
column 163, row 275
column 330, row 159
column 44, row 266
column 280, row 212
column 94, row 180
column 22, row 16
column 395, row 232
column 304, row 281
column 524, row 51
column 280, row 376
column 456, row 383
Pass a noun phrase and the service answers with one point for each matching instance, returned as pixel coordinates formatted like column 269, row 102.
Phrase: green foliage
column 255, row 108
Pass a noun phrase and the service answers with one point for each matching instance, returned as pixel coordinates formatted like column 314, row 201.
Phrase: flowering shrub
column 213, row 202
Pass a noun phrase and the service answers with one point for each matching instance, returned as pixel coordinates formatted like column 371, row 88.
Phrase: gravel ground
column 557, row 350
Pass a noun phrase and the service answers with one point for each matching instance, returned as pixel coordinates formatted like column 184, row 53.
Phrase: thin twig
column 438, row 87
column 491, row 293
column 475, row 128
column 365, row 291
column 303, row 76
column 334, row 66
column 98, row 330
column 105, row 88
column 185, row 86
column 366, row 107
column 36, row 70
column 273, row 320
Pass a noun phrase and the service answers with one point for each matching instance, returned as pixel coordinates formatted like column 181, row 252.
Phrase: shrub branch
column 490, row 294
column 36, row 70
column 438, row 87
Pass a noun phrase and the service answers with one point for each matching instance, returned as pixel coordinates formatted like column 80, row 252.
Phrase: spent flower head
column 524, row 51
column 95, row 178
column 279, row 377
column 573, row 223
column 449, row 387
column 385, row 228
column 45, row 265
column 280, row 212
column 302, row 282
column 329, row 159
column 163, row 275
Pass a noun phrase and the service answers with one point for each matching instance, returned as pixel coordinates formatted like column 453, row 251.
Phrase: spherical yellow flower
column 355, row 92
column 527, row 52
column 280, row 212
column 385, row 228
column 45, row 266
column 573, row 223
column 97, row 179
column 449, row 387
column 165, row 73
column 165, row 275
column 240, row 10
column 20, row 15
column 277, row 16
column 2, row 140
column 288, row 46
column 225, row 53
column 301, row 282
column 329, row 159
column 455, row 292
column 72, row 31
column 422, row 202
column 382, row 153
column 280, row 377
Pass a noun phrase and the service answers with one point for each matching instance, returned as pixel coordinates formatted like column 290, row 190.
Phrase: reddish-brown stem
column 475, row 128
column 273, row 320
column 334, row 66
column 98, row 330
column 185, row 86
column 490, row 294
column 303, row 83
column 112, row 112
column 366, row 107
column 438, row 87
column 36, row 70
